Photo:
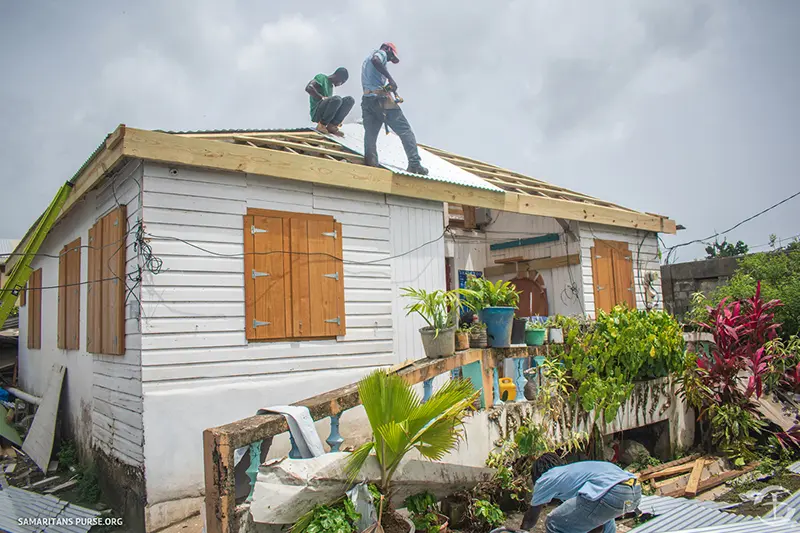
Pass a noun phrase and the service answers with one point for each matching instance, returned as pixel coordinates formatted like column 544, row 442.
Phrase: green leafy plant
column 437, row 308
column 422, row 508
column 339, row 517
column 726, row 249
column 481, row 293
column 401, row 422
column 488, row 513
column 734, row 429
column 531, row 326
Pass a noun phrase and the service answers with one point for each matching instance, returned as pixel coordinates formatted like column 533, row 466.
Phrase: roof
column 303, row 154
column 46, row 513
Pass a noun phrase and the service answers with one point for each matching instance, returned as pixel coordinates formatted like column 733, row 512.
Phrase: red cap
column 393, row 48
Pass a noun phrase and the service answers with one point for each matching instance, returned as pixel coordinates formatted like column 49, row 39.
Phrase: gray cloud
column 679, row 107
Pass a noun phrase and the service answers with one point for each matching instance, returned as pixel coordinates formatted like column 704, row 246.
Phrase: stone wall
column 681, row 280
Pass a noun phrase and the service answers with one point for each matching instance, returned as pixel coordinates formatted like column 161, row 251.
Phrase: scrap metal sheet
column 393, row 157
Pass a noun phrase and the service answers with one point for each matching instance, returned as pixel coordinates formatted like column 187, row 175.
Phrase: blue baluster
column 335, row 440
column 294, row 453
column 496, row 392
column 455, row 373
column 427, row 389
column 252, row 470
column 519, row 378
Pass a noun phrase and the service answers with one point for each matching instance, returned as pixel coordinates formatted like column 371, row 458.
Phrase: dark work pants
column 333, row 110
column 374, row 116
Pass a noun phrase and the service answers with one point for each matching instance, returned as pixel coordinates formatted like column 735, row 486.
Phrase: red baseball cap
column 393, row 48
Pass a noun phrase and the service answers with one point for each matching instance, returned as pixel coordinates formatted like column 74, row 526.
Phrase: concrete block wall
column 681, row 280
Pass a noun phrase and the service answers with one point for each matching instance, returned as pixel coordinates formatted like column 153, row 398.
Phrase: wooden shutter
column 623, row 276
column 603, row 277
column 35, row 310
column 265, row 275
column 69, row 295
column 23, row 295
column 303, row 295
column 105, row 325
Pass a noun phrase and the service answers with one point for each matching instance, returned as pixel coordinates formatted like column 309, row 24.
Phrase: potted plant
column 555, row 334
column 424, row 513
column 518, row 331
column 495, row 304
column 400, row 422
column 462, row 337
column 534, row 334
column 439, row 310
column 477, row 335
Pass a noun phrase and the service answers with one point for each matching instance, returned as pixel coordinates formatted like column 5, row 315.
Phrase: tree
column 726, row 249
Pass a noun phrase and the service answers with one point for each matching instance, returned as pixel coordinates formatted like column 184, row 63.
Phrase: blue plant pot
column 499, row 322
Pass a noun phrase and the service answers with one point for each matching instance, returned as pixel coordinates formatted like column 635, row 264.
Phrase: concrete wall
column 681, row 280
column 199, row 371
column 645, row 255
column 101, row 403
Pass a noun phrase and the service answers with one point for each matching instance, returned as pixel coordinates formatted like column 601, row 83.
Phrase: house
column 193, row 278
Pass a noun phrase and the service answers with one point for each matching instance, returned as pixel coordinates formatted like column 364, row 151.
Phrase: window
column 69, row 296
column 294, row 281
column 612, row 272
column 35, row 310
column 105, row 324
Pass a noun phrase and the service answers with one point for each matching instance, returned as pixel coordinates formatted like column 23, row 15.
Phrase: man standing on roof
column 328, row 111
column 593, row 495
column 378, row 108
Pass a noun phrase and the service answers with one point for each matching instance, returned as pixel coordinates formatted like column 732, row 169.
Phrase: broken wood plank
column 38, row 444
column 43, row 482
column 694, row 478
column 545, row 263
column 676, row 462
column 63, row 486
column 671, row 471
column 715, row 481
column 515, row 259
column 672, row 483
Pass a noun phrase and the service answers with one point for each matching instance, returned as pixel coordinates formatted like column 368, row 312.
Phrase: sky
column 683, row 108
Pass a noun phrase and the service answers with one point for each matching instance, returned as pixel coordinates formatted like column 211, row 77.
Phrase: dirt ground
column 513, row 521
column 787, row 480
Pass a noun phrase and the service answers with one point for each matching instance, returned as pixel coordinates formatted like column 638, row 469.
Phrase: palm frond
column 386, row 398
column 356, row 461
column 451, row 393
column 437, row 439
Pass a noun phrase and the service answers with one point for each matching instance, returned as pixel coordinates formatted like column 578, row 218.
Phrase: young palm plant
column 439, row 309
column 401, row 422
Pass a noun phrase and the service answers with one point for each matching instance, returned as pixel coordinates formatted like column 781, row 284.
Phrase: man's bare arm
column 531, row 517
column 378, row 64
column 313, row 89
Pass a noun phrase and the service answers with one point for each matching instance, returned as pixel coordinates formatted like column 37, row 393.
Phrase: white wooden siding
column 645, row 255
column 103, row 392
column 414, row 223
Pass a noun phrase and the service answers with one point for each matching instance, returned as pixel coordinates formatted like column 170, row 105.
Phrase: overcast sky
column 684, row 108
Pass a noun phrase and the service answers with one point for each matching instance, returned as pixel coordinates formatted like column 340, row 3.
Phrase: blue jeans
column 579, row 515
column 374, row 117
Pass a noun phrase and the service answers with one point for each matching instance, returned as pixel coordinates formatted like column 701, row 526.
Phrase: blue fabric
column 371, row 79
column 5, row 396
column 581, row 515
column 590, row 479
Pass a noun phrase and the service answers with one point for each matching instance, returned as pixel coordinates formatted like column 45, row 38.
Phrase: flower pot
column 555, row 336
column 534, row 381
column 441, row 345
column 498, row 322
column 462, row 340
column 478, row 339
column 518, row 331
column 535, row 337
column 457, row 511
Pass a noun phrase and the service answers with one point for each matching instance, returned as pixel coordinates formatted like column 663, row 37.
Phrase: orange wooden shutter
column 325, row 278
column 266, row 277
column 35, row 310
column 62, row 299
column 94, row 290
column 623, row 277
column 301, row 288
column 603, row 277
column 73, row 295
column 23, row 295
column 112, row 273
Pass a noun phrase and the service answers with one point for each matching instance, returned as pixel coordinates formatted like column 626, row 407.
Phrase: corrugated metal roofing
column 46, row 513
column 658, row 505
column 695, row 516
column 753, row 526
column 794, row 467
column 393, row 157
column 233, row 131
column 7, row 247
column 789, row 508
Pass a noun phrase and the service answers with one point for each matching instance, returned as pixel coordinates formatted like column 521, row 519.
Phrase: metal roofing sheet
column 753, row 526
column 6, row 248
column 690, row 516
column 393, row 157
column 232, row 131
column 794, row 467
column 47, row 513
column 658, row 505
column 789, row 508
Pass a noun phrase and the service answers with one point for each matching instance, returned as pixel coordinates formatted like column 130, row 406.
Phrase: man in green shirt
column 327, row 110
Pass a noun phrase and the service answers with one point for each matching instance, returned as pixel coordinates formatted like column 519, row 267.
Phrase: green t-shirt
column 326, row 89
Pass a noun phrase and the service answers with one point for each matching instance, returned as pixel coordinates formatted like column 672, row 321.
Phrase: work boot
column 417, row 169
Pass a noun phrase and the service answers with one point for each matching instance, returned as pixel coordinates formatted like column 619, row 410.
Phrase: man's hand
column 392, row 85
column 531, row 517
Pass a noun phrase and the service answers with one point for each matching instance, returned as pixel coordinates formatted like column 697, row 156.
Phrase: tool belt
column 385, row 100
column 630, row 482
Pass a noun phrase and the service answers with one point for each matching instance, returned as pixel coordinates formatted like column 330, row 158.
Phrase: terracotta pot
column 462, row 340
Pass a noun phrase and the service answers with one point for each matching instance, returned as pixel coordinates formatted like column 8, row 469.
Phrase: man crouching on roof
column 327, row 110
column 593, row 495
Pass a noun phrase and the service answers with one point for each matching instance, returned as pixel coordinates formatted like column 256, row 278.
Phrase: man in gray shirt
column 377, row 108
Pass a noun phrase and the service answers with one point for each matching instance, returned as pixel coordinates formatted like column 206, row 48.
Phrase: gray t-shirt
column 371, row 79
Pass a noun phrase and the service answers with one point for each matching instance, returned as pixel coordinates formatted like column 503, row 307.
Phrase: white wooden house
column 193, row 278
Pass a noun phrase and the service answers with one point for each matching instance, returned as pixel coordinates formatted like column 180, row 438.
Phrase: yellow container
column 507, row 385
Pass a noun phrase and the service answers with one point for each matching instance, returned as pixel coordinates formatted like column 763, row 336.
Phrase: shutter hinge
column 335, row 276
column 257, row 274
column 258, row 323
column 334, row 321
column 254, row 230
column 600, row 288
column 330, row 234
